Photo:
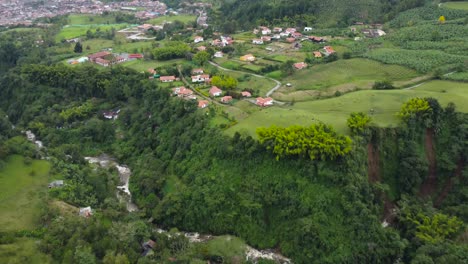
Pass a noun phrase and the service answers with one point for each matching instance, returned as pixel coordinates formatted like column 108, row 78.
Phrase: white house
column 307, row 29
column 198, row 39
column 218, row 54
column 257, row 41
column 265, row 31
column 200, row 78
column 215, row 91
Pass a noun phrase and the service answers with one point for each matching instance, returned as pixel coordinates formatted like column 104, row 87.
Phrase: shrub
column 383, row 85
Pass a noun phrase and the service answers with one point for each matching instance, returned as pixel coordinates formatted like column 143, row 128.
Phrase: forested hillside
column 371, row 192
column 322, row 209
column 243, row 14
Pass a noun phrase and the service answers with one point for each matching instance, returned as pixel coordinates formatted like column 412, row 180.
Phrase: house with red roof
column 246, row 94
column 215, row 91
column 203, row 103
column 167, row 78
column 102, row 62
column 300, row 65
column 316, row 39
column 260, row 101
column 101, row 54
column 226, row 99
column 277, row 29
column 182, row 92
column 290, row 40
column 328, row 50
column 135, row 56
column 296, row 35
column 266, row 38
column 265, row 31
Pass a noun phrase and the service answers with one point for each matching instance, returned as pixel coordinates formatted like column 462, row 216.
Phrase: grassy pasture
column 21, row 189
column 336, row 110
column 456, row 5
column 74, row 31
column 342, row 75
column 144, row 65
column 181, row 18
column 87, row 19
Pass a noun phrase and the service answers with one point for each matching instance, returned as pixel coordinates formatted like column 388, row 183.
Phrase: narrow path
column 270, row 92
column 419, row 84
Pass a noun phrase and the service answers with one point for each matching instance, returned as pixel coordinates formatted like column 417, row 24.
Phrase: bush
column 347, row 55
column 383, row 85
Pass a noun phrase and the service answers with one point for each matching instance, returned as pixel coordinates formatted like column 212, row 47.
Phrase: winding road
column 270, row 92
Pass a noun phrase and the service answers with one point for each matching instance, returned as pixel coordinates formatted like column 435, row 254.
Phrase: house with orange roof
column 246, row 94
column 300, row 65
column 215, row 91
column 328, row 50
column 226, row 99
column 247, row 57
column 260, row 101
column 165, row 79
column 203, row 104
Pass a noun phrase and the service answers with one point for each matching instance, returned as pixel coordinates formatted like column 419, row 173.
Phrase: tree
column 78, row 48
column 224, row 81
column 287, row 68
column 317, row 142
column 442, row 19
column 436, row 228
column 383, row 85
column 415, row 107
column 201, row 58
column 358, row 122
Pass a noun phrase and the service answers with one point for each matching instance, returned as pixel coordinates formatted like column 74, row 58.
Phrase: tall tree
column 78, row 48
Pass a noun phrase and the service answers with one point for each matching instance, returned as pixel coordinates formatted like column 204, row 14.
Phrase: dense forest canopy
column 242, row 14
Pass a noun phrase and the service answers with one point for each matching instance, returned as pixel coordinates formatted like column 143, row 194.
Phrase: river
column 124, row 195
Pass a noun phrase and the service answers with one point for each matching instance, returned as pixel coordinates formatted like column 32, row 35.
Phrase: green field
column 23, row 250
column 181, row 18
column 456, row 5
column 335, row 111
column 86, row 19
column 75, row 31
column 21, row 190
column 144, row 65
column 342, row 75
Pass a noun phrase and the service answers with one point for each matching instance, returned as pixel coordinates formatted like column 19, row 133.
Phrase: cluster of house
column 277, row 33
column 222, row 41
column 326, row 51
column 106, row 58
column 146, row 27
column 199, row 76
